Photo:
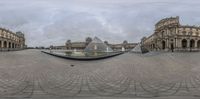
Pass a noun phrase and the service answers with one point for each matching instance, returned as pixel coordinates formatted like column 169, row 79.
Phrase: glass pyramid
column 139, row 49
column 97, row 46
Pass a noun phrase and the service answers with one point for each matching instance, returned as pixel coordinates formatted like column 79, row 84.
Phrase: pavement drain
column 72, row 65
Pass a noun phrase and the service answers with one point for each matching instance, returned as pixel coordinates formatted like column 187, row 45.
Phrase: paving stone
column 156, row 75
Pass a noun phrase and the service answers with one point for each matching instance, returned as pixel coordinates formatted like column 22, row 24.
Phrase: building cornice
column 6, row 30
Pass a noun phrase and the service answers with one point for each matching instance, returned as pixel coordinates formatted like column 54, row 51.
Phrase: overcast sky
column 52, row 22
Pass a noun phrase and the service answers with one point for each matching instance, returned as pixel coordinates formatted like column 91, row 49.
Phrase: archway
column 13, row 45
column 5, row 44
column 184, row 43
column 163, row 45
column 198, row 44
column 192, row 43
column 153, row 46
column 172, row 47
column 9, row 45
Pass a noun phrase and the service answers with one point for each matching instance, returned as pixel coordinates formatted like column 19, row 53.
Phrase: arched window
column 184, row 32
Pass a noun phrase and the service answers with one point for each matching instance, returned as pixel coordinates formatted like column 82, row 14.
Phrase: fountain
column 107, row 50
column 75, row 50
column 123, row 49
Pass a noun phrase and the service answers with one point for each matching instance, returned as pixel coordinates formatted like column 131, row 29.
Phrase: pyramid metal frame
column 139, row 49
column 97, row 45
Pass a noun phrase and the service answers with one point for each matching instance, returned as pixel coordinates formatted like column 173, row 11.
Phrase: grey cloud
column 47, row 22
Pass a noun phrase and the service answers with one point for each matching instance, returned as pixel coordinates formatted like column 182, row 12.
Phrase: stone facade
column 82, row 45
column 170, row 35
column 10, row 40
column 125, row 45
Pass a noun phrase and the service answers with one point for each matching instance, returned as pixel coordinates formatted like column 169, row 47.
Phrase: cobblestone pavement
column 35, row 75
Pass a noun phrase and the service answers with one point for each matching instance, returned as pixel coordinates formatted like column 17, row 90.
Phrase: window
column 197, row 33
column 184, row 32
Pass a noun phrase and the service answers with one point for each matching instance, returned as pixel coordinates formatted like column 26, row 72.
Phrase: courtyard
column 157, row 75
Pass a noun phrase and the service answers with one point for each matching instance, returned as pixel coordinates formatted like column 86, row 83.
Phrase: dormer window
column 184, row 32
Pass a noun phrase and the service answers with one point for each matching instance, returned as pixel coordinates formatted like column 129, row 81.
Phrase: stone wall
column 169, row 35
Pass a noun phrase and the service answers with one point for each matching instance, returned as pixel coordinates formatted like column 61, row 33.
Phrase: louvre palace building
column 10, row 40
column 170, row 35
column 69, row 45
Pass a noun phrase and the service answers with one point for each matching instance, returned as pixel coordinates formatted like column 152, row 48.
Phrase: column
column 188, row 44
column 176, row 30
column 167, row 33
column 195, row 44
column 175, row 43
column 7, row 44
column 166, row 42
column 178, row 43
column 2, row 46
column 12, row 46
